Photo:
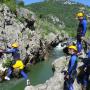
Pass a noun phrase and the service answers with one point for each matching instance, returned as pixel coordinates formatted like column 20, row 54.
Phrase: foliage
column 1, row 1
column 46, row 27
column 7, row 63
column 12, row 4
column 20, row 3
column 66, row 13
column 88, row 31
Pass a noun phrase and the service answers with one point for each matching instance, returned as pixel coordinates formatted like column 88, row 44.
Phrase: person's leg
column 79, row 46
column 66, row 85
column 71, row 85
column 71, row 81
column 9, row 72
column 85, row 80
column 7, row 77
column 23, row 74
column 79, row 43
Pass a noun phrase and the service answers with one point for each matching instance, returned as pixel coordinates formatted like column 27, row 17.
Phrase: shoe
column 7, row 78
column 28, row 82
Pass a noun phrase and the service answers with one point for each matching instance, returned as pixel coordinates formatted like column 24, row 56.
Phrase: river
column 38, row 74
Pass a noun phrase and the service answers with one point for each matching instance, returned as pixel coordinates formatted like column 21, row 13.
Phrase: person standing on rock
column 72, row 66
column 81, row 31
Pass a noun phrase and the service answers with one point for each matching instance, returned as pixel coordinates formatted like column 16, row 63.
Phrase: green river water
column 38, row 74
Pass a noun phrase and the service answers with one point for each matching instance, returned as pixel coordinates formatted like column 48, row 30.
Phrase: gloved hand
column 66, row 77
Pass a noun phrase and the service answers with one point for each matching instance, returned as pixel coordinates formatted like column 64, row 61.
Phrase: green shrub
column 20, row 4
column 11, row 4
column 7, row 63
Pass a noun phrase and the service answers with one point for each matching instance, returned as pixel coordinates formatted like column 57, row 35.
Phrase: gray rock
column 57, row 81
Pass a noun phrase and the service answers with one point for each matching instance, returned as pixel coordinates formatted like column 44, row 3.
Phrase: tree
column 11, row 4
column 20, row 3
column 1, row 1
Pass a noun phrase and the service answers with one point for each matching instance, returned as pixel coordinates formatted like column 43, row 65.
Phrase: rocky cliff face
column 31, row 43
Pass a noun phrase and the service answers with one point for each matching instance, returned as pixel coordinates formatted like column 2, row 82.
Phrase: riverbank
column 57, row 81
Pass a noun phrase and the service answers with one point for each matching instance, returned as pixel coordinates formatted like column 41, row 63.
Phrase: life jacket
column 16, row 54
column 75, row 65
column 80, row 28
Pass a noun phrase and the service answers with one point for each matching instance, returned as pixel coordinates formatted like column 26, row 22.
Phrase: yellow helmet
column 19, row 64
column 73, row 47
column 15, row 45
column 80, row 14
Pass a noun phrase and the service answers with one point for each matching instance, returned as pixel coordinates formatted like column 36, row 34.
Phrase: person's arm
column 73, row 61
column 1, row 51
column 9, row 50
column 84, row 27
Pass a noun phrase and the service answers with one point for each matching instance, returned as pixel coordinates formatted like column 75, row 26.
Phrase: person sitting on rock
column 18, row 66
column 72, row 66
